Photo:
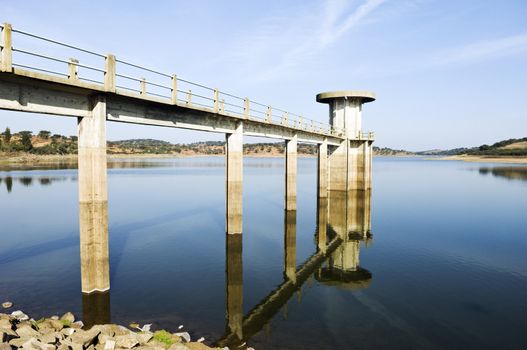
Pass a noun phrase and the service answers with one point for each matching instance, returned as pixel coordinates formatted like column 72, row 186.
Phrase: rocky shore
column 19, row 331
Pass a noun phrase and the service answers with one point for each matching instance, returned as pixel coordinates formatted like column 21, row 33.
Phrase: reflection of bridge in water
column 343, row 223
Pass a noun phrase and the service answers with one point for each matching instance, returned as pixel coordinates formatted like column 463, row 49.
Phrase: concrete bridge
column 104, row 91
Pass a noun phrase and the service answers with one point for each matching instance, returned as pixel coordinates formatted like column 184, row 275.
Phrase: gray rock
column 55, row 317
column 85, row 338
column 19, row 315
column 184, row 335
column 5, row 346
column 126, row 341
column 8, row 331
column 67, row 331
column 68, row 317
column 144, row 337
column 26, row 331
column 5, row 323
column 7, row 305
column 105, row 330
column 109, row 345
column 49, row 338
column 33, row 344
column 178, row 347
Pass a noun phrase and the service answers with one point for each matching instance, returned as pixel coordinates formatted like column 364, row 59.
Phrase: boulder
column 144, row 337
column 184, row 335
column 5, row 346
column 178, row 347
column 7, row 305
column 85, row 338
column 109, row 345
column 19, row 315
column 126, row 341
column 26, row 331
column 50, row 338
column 68, row 317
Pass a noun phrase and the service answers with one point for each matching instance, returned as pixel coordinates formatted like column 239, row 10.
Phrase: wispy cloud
column 483, row 50
column 280, row 44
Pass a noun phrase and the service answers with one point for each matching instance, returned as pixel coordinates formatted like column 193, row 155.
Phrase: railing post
column 222, row 106
column 173, row 94
column 73, row 73
column 143, row 86
column 109, row 75
column 284, row 119
column 189, row 97
column 269, row 114
column 7, row 50
column 246, row 108
column 216, row 101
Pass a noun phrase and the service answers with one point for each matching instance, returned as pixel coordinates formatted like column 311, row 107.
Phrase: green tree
column 44, row 134
column 7, row 135
column 26, row 141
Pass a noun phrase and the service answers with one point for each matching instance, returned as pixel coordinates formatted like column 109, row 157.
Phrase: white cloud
column 283, row 43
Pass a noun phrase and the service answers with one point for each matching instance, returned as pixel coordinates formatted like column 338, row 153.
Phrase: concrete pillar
column 290, row 245
column 234, row 282
column 96, row 308
column 290, row 173
column 322, row 177
column 368, row 157
column 234, row 180
column 93, row 199
column 338, row 167
column 322, row 223
column 356, row 163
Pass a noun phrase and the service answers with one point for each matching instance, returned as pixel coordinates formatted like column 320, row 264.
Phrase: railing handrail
column 247, row 109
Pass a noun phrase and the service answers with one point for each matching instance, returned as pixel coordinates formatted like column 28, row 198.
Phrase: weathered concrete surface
column 322, row 170
column 290, row 245
column 290, row 173
column 356, row 164
column 93, row 199
column 368, row 158
column 234, row 283
column 234, row 180
column 338, row 167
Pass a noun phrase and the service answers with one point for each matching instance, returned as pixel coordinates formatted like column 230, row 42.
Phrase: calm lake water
column 445, row 267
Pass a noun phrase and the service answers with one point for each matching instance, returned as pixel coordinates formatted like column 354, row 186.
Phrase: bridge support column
column 290, row 245
column 368, row 156
column 234, row 276
column 338, row 167
column 93, row 199
column 234, row 179
column 290, row 173
column 356, row 164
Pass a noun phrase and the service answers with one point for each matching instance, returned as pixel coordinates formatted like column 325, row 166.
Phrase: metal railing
column 115, row 75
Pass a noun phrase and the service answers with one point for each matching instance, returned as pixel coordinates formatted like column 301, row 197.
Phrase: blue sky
column 446, row 73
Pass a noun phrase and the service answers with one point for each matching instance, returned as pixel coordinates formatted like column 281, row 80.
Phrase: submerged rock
column 7, row 305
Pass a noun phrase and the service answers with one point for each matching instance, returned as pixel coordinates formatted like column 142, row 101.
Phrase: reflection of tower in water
column 348, row 219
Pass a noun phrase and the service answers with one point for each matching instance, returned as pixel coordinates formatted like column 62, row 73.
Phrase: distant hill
column 506, row 148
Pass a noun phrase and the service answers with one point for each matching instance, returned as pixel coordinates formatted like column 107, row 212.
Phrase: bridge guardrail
column 120, row 76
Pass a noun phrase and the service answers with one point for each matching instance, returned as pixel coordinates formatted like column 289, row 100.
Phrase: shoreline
column 18, row 330
column 484, row 159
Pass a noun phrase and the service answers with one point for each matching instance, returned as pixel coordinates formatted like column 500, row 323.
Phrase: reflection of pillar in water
column 234, row 276
column 96, row 308
column 322, row 223
column 337, row 215
column 359, row 214
column 93, row 199
column 290, row 245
